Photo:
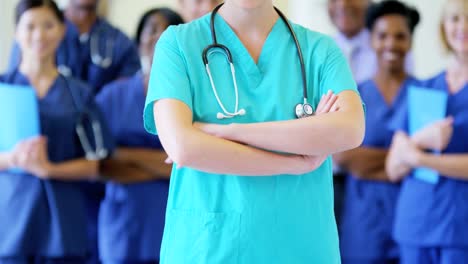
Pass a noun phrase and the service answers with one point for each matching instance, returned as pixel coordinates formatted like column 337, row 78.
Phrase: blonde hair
column 449, row 8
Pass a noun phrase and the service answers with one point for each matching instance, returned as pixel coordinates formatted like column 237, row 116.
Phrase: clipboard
column 425, row 107
column 19, row 115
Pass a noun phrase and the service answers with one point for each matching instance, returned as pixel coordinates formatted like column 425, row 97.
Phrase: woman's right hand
column 435, row 136
column 401, row 157
column 19, row 154
column 31, row 155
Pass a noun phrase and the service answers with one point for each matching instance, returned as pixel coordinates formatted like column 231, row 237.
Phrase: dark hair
column 392, row 7
column 172, row 17
column 25, row 5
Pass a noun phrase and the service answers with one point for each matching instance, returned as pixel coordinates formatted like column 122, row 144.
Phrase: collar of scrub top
column 301, row 110
column 100, row 152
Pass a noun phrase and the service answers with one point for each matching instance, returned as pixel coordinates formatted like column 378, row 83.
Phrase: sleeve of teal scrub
column 336, row 73
column 168, row 78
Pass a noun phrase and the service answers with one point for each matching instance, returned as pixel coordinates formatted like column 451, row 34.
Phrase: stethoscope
column 96, row 57
column 100, row 152
column 303, row 109
column 106, row 61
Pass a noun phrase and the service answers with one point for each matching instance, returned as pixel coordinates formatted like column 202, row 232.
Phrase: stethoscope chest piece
column 304, row 110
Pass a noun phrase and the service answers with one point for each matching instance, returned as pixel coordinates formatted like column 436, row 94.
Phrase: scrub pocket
column 200, row 237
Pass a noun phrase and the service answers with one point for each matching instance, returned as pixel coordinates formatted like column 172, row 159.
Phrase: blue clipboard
column 19, row 115
column 425, row 107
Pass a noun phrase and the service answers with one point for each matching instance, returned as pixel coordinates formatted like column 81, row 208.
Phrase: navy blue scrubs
column 432, row 219
column 74, row 58
column 45, row 220
column 131, row 217
column 368, row 213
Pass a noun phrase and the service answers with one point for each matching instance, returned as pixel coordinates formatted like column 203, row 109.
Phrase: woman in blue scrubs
column 42, row 211
column 431, row 217
column 131, row 218
column 253, row 185
column 368, row 212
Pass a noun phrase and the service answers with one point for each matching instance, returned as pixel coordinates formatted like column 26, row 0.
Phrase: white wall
column 119, row 9
column 6, row 30
column 429, row 57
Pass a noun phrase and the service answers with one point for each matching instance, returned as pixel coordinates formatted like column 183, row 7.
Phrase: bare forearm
column 365, row 163
column 451, row 165
column 151, row 160
column 214, row 155
column 4, row 160
column 79, row 169
column 124, row 172
column 318, row 135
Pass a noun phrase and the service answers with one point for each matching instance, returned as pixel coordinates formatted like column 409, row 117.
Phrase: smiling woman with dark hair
column 368, row 214
column 42, row 209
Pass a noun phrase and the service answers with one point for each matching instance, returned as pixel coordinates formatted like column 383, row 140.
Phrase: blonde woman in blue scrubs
column 431, row 217
column 251, row 182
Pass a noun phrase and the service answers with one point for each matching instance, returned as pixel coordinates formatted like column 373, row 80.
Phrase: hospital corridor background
column 84, row 173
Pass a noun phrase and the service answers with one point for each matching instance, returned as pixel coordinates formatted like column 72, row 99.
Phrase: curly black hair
column 392, row 7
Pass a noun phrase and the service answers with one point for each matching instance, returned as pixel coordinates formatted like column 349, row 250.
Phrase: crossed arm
column 133, row 165
column 364, row 163
column 407, row 153
column 248, row 149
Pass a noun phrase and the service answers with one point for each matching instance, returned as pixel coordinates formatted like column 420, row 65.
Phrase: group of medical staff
column 106, row 203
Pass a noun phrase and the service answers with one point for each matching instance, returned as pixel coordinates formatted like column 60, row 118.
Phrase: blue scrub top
column 131, row 217
column 47, row 217
column 74, row 55
column 437, row 214
column 367, row 219
column 213, row 218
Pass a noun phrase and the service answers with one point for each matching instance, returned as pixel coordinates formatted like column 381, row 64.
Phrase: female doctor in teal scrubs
column 42, row 209
column 251, row 184
column 431, row 217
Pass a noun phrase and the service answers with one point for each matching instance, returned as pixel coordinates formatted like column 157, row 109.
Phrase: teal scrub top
column 213, row 218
